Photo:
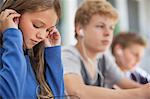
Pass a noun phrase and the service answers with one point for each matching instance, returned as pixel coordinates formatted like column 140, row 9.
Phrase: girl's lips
column 34, row 42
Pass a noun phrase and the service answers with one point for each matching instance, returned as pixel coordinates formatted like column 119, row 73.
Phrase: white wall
column 67, row 24
column 121, row 5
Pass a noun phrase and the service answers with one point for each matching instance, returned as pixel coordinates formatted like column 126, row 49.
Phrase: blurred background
column 134, row 17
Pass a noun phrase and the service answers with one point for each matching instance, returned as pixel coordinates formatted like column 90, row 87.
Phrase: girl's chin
column 29, row 47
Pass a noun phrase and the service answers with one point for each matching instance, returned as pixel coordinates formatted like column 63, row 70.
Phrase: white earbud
column 81, row 33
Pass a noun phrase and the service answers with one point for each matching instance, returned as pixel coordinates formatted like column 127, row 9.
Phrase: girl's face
column 98, row 33
column 36, row 26
column 132, row 55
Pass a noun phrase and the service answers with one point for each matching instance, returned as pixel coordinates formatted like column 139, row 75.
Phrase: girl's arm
column 13, row 71
column 54, row 70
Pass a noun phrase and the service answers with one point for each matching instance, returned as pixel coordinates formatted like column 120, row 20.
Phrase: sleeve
column 113, row 74
column 12, row 73
column 54, row 70
column 71, row 62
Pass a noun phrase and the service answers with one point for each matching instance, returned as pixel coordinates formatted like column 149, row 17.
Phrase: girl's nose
column 41, row 35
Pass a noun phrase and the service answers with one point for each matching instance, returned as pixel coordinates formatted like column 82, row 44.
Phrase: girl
column 30, row 61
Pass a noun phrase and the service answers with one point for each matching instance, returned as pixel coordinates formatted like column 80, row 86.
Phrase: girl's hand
column 9, row 19
column 53, row 38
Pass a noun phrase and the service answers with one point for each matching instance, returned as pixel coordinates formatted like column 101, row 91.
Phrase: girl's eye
column 36, row 26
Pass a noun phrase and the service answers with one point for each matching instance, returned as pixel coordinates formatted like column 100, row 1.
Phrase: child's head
column 129, row 47
column 96, row 19
column 38, row 17
column 90, row 8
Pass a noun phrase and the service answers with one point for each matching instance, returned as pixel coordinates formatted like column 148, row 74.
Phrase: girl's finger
column 10, row 11
column 7, row 12
column 54, row 29
column 2, row 13
column 14, row 17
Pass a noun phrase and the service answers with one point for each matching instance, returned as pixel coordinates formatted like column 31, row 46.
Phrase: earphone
column 81, row 33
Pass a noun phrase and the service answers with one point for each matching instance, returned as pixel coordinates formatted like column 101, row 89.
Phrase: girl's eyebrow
column 40, row 21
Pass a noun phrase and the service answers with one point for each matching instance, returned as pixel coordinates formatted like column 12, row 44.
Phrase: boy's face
column 98, row 33
column 36, row 26
column 132, row 55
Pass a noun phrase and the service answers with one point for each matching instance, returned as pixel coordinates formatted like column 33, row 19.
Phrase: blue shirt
column 17, row 78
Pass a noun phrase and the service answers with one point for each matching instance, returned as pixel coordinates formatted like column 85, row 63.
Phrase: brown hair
column 126, row 39
column 37, row 53
column 90, row 8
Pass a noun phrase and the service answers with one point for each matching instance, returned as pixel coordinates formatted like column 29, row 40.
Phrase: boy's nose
column 106, row 32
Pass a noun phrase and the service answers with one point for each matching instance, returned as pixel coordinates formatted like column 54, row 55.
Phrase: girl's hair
column 90, row 8
column 37, row 52
column 127, row 39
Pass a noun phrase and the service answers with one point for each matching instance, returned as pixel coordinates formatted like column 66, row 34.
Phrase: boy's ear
column 81, row 33
column 118, row 50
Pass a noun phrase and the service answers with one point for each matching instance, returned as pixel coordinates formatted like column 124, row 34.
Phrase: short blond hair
column 92, row 7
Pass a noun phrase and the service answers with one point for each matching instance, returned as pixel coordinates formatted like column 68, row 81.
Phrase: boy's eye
column 100, row 26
